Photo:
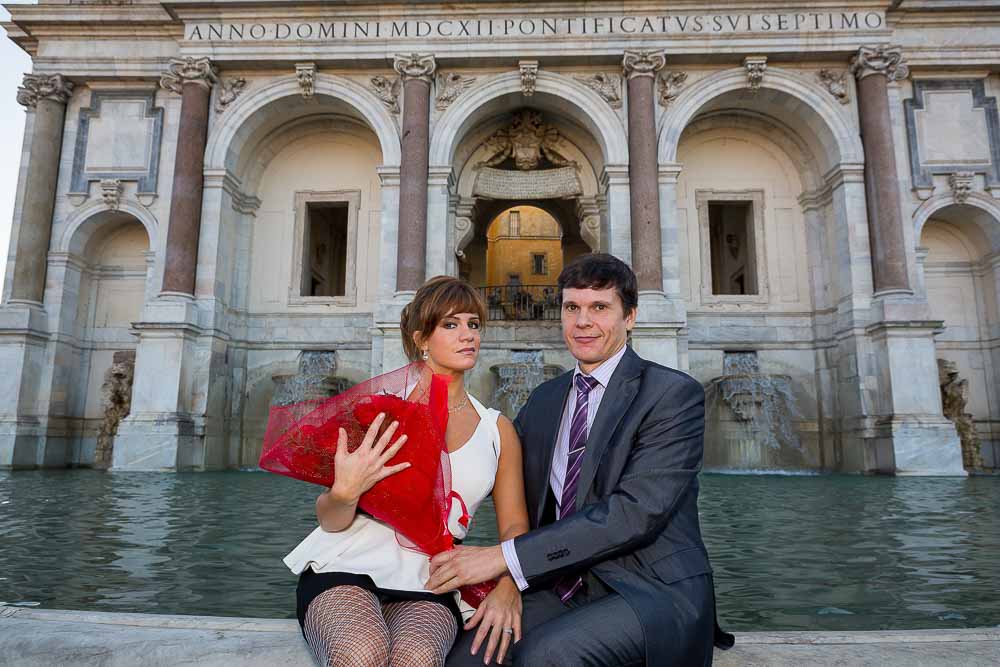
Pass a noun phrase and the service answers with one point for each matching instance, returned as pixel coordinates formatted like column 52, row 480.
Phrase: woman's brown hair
column 436, row 299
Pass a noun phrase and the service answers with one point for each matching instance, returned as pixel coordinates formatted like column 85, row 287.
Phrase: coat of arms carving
column 526, row 140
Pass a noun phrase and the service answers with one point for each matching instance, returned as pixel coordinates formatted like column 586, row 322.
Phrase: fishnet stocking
column 346, row 626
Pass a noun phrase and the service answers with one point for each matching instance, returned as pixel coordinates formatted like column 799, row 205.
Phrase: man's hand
column 465, row 565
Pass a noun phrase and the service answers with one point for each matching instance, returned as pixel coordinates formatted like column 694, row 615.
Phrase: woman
column 361, row 597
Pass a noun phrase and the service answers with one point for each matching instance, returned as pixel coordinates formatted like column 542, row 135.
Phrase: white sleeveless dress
column 370, row 547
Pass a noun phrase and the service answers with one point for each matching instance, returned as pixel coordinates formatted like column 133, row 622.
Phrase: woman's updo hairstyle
column 436, row 299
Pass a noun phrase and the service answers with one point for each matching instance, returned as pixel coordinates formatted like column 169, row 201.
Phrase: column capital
column 883, row 59
column 643, row 63
column 37, row 87
column 189, row 70
column 415, row 66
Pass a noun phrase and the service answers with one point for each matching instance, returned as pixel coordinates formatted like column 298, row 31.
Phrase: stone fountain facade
column 170, row 188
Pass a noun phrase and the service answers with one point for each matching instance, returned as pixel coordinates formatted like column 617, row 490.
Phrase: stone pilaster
column 874, row 67
column 192, row 79
column 46, row 97
column 416, row 71
column 640, row 68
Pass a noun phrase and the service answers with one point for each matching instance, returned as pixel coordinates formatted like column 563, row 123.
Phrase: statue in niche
column 954, row 397
column 117, row 401
column 527, row 140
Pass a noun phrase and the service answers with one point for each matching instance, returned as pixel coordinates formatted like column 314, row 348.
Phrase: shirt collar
column 604, row 372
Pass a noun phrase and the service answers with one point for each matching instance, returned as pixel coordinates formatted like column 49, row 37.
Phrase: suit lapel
column 551, row 409
column 618, row 396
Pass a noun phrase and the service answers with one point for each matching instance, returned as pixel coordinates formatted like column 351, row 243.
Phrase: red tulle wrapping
column 301, row 441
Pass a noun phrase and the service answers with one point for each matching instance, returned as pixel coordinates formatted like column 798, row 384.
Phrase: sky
column 13, row 64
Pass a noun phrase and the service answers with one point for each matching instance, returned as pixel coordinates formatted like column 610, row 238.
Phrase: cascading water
column 758, row 433
column 517, row 379
column 314, row 380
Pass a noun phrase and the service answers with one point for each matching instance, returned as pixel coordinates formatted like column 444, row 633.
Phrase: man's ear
column 630, row 319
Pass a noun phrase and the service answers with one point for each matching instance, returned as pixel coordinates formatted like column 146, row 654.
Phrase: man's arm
column 665, row 460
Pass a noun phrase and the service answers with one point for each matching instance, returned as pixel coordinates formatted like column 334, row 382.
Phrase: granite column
column 192, row 79
column 46, row 97
column 874, row 67
column 411, row 258
column 640, row 68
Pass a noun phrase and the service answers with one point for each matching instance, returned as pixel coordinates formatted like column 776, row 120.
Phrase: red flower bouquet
column 301, row 441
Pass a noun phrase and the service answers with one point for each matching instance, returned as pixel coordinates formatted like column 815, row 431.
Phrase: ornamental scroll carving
column 884, row 60
column 35, row 87
column 755, row 67
column 415, row 66
column 529, row 76
column 188, row 70
column 643, row 63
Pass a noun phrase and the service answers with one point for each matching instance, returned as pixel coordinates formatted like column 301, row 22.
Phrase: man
column 614, row 570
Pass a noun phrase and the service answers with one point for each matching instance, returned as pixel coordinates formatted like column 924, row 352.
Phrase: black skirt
column 313, row 584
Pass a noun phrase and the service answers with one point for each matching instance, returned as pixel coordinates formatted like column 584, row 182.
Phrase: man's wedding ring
column 509, row 631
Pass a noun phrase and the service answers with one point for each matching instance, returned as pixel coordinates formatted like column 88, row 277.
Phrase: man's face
column 594, row 324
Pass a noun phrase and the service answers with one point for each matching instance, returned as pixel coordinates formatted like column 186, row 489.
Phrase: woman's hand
column 500, row 611
column 356, row 472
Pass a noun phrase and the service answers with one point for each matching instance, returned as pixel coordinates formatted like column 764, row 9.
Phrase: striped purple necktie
column 566, row 587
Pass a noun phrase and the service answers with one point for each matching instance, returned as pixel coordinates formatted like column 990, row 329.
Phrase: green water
column 790, row 553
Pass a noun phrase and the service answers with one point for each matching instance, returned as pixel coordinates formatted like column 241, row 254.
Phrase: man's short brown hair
column 435, row 300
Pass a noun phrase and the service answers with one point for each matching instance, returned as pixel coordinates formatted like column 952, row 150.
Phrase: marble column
column 192, row 79
column 46, row 97
column 640, row 68
column 416, row 71
column 874, row 67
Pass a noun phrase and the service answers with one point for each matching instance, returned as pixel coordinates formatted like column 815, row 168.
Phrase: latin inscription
column 498, row 28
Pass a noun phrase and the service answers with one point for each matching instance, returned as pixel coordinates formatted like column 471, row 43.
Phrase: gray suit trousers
column 598, row 629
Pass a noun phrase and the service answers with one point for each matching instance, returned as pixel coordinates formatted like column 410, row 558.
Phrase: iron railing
column 521, row 302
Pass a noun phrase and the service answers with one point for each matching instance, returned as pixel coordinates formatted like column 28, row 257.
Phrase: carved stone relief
column 755, row 67
column 529, row 76
column 116, row 395
column 608, row 86
column 836, row 83
column 305, row 74
column 449, row 87
column 229, row 90
column 188, row 70
column 954, row 399
column 669, row 87
column 387, row 90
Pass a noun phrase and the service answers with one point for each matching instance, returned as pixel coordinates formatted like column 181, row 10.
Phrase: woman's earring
column 426, row 356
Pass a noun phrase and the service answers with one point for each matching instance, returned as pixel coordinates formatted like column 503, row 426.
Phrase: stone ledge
column 47, row 637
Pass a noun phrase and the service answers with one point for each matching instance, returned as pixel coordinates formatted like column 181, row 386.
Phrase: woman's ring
column 509, row 631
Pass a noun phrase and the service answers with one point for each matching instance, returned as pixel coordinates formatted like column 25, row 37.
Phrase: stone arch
column 89, row 220
column 988, row 223
column 829, row 125
column 268, row 105
column 572, row 98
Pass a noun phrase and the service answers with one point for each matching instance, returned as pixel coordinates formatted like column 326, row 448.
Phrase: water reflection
column 834, row 553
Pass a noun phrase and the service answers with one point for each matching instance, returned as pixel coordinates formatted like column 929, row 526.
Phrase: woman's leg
column 420, row 633
column 344, row 627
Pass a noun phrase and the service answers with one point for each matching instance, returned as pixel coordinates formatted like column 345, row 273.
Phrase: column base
column 658, row 330
column 157, row 442
column 917, row 446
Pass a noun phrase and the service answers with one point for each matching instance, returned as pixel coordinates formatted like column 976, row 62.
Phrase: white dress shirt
column 560, row 457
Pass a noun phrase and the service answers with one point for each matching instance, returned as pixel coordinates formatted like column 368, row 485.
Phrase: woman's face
column 454, row 343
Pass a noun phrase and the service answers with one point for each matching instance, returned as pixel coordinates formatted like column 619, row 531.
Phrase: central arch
column 578, row 102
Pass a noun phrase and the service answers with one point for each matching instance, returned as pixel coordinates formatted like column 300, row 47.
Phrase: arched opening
column 528, row 203
column 112, row 253
column 758, row 231
column 959, row 279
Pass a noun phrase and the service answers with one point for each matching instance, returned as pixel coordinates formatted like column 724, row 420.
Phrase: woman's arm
column 356, row 472
column 502, row 608
column 508, row 489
